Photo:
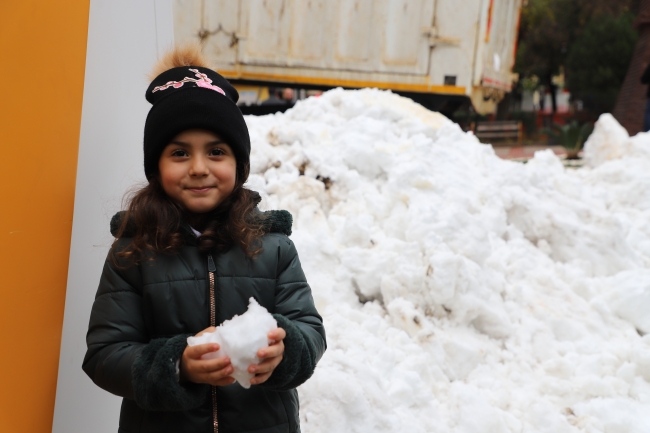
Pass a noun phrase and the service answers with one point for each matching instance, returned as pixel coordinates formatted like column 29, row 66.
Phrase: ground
column 525, row 152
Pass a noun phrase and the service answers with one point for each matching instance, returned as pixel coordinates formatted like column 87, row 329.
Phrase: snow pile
column 461, row 292
column 240, row 338
column 613, row 143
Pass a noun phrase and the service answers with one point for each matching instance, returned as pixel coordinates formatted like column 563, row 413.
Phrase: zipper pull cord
column 211, row 266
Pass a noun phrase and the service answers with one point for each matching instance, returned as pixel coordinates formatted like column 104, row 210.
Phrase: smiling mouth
column 201, row 189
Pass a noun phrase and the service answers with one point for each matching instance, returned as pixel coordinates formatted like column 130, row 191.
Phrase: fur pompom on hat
column 186, row 94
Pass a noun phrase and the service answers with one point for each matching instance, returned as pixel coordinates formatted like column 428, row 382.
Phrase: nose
column 198, row 166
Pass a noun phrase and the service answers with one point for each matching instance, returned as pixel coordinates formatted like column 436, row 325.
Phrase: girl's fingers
column 268, row 365
column 196, row 352
column 277, row 334
column 217, row 372
column 215, row 376
column 271, row 351
column 260, row 378
column 210, row 365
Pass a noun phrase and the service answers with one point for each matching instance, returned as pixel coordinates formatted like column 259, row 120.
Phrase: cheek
column 229, row 175
column 168, row 177
column 165, row 183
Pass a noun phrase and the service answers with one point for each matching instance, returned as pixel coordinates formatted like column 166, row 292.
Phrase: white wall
column 124, row 40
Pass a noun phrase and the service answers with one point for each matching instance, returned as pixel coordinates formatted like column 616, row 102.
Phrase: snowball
column 240, row 338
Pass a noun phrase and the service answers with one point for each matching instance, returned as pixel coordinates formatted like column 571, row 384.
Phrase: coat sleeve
column 296, row 313
column 122, row 359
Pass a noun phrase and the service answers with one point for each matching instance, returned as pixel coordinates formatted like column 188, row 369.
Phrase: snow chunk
column 240, row 338
column 607, row 142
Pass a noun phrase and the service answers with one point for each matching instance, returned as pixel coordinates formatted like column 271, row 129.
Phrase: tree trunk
column 554, row 98
column 631, row 101
column 553, row 89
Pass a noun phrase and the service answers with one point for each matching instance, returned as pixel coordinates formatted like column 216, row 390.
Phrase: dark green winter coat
column 143, row 314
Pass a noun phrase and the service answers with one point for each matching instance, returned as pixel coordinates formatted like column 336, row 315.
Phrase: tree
column 543, row 38
column 598, row 59
column 550, row 27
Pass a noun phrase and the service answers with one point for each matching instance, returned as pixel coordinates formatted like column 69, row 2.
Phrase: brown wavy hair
column 155, row 223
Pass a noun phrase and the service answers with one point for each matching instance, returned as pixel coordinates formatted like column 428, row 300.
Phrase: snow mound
column 240, row 338
column 461, row 292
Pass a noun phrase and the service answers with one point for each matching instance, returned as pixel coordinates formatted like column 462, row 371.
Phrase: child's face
column 197, row 170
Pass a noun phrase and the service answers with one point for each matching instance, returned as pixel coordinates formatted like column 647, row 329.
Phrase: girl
column 189, row 252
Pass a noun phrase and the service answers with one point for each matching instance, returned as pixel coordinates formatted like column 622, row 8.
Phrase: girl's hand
column 270, row 357
column 215, row 372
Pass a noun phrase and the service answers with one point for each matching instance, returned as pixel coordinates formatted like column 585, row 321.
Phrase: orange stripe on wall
column 43, row 46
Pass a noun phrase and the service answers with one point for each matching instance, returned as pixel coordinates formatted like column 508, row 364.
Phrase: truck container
column 442, row 53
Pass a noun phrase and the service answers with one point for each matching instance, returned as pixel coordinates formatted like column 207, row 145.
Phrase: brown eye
column 217, row 152
column 179, row 153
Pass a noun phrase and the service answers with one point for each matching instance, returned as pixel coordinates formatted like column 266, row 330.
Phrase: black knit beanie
column 192, row 97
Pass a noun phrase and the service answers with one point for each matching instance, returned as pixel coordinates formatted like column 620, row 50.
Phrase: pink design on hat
column 202, row 80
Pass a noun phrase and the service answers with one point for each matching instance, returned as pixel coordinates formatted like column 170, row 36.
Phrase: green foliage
column 468, row 116
column 527, row 118
column 571, row 136
column 598, row 60
column 529, row 83
column 545, row 32
column 549, row 31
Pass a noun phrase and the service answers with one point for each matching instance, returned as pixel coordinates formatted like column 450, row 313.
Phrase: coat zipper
column 213, row 322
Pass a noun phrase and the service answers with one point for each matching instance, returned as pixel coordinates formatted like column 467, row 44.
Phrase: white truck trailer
column 439, row 52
